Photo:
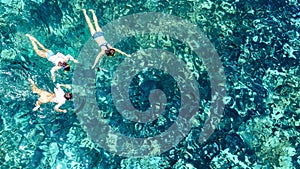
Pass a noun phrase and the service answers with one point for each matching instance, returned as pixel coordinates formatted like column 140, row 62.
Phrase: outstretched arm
column 55, row 68
column 63, row 85
column 121, row 52
column 57, row 108
column 71, row 58
column 97, row 59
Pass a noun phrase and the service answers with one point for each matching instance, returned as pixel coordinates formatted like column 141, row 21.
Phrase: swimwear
column 59, row 95
column 49, row 54
column 98, row 34
column 104, row 44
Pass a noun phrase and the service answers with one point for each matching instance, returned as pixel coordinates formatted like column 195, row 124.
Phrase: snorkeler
column 59, row 60
column 59, row 96
column 98, row 36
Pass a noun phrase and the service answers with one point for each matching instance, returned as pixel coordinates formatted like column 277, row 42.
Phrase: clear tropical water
column 257, row 42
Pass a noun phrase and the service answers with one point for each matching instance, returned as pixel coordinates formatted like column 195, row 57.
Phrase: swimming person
column 98, row 36
column 59, row 96
column 59, row 60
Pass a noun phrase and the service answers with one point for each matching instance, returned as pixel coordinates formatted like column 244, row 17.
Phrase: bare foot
column 31, row 81
column 84, row 11
column 36, row 108
column 91, row 10
column 31, row 37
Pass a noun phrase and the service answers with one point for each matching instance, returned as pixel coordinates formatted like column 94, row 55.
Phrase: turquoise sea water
column 257, row 42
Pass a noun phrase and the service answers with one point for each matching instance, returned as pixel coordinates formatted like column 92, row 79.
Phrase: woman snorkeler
column 98, row 36
column 59, row 60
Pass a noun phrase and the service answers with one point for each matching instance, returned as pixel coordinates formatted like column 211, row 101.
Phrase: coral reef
column 257, row 41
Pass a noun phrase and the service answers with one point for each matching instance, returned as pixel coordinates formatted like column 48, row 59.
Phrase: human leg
column 44, row 96
column 88, row 21
column 34, row 88
column 36, row 44
column 98, row 29
column 37, row 106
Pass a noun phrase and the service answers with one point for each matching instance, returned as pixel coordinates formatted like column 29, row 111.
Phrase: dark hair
column 68, row 96
column 64, row 65
column 110, row 52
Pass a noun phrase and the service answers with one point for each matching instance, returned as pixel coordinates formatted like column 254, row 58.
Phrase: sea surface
column 220, row 77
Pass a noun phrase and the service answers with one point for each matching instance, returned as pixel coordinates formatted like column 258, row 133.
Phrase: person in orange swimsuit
column 59, row 96
column 98, row 36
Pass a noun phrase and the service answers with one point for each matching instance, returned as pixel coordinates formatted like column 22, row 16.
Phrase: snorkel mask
column 110, row 52
column 64, row 66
